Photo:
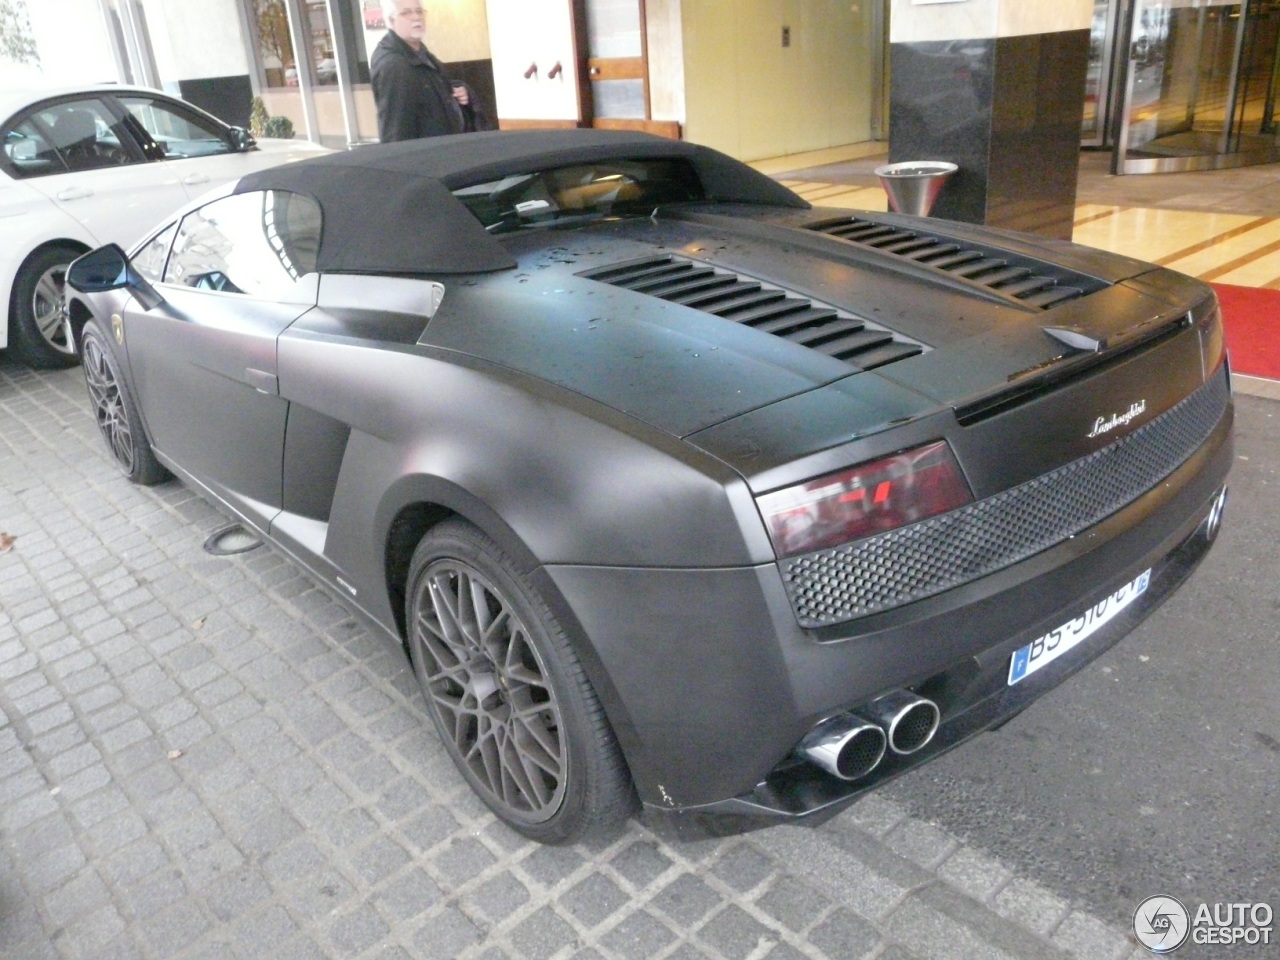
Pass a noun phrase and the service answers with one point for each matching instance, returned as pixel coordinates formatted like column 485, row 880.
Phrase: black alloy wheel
column 115, row 413
column 507, row 694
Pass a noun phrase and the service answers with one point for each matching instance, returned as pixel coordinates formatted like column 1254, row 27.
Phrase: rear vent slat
column 663, row 274
column 684, row 285
column 670, row 273
column 1021, row 279
column 710, row 299
column 934, row 252
column 978, row 268
column 763, row 308
column 1024, row 288
column 743, row 300
column 810, row 316
column 912, row 245
column 1054, row 296
column 832, row 335
column 1001, row 278
column 889, row 239
column 956, row 259
column 771, row 311
column 855, row 343
column 889, row 353
column 864, row 232
column 634, row 271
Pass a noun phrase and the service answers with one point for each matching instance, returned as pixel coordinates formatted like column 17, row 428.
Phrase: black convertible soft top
column 388, row 208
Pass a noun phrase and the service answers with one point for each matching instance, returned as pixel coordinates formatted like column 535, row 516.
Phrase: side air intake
column 768, row 309
column 1024, row 279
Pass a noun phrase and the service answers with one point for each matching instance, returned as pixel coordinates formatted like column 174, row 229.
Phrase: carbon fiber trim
column 913, row 562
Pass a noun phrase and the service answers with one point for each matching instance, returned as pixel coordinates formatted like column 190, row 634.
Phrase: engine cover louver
column 1024, row 279
column 769, row 309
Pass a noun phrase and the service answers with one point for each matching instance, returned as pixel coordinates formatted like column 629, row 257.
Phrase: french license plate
column 1055, row 643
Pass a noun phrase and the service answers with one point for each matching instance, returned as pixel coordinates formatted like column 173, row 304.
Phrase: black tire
column 114, row 411
column 36, row 331
column 507, row 693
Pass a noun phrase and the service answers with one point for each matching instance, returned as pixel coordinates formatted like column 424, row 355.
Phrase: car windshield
column 589, row 190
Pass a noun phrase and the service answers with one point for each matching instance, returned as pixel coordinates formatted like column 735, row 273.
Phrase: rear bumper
column 710, row 681
column 798, row 790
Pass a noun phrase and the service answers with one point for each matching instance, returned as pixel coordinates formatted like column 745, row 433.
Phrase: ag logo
column 1161, row 924
column 117, row 327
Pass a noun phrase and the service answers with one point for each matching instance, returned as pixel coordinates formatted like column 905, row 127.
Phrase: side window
column 252, row 243
column 179, row 132
column 67, row 137
column 149, row 261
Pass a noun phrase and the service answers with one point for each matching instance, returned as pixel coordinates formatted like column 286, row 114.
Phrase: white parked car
column 86, row 166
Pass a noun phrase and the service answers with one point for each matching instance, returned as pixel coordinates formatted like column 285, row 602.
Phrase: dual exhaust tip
column 851, row 745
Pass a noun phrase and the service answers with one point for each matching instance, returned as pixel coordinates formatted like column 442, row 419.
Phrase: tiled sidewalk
column 206, row 757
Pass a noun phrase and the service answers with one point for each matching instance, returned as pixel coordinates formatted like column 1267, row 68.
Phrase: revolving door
column 1184, row 84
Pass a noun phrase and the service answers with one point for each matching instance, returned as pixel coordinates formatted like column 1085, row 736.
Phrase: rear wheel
column 115, row 413
column 35, row 320
column 507, row 693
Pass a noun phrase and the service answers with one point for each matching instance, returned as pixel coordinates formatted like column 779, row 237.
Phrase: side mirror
column 107, row 268
column 241, row 140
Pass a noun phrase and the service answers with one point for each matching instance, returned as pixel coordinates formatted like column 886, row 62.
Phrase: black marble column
column 1007, row 111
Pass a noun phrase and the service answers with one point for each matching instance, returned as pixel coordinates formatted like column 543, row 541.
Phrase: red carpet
column 1252, row 318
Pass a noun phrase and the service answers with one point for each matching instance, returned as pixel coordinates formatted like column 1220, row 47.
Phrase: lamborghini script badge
column 1107, row 424
column 117, row 327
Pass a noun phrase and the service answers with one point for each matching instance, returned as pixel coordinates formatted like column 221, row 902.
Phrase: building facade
column 1170, row 84
column 754, row 77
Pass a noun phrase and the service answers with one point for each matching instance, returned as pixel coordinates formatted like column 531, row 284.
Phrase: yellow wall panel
column 748, row 95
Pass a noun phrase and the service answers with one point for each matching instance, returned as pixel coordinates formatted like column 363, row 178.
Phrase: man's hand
column 460, row 94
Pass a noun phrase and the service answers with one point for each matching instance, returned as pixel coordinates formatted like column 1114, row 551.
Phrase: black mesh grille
column 917, row 561
column 1033, row 282
column 837, row 334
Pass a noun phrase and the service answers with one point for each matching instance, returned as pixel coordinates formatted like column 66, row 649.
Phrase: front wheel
column 36, row 320
column 115, row 412
column 507, row 694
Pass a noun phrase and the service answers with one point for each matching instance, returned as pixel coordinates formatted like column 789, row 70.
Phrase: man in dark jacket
column 413, row 96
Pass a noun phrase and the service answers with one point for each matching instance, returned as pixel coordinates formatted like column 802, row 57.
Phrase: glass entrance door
column 1199, row 80
column 312, row 65
column 272, row 26
column 1098, row 97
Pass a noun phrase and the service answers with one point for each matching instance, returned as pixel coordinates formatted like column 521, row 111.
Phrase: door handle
column 533, row 69
column 262, row 381
column 74, row 193
column 194, row 178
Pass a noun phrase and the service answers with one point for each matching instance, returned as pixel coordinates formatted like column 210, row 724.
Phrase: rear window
column 589, row 190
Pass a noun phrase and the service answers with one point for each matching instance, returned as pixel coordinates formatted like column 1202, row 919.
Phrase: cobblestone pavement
column 208, row 757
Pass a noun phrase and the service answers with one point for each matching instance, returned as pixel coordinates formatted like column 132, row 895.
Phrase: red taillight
column 864, row 500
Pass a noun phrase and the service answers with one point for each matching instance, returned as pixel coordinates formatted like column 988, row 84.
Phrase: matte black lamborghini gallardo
column 675, row 488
